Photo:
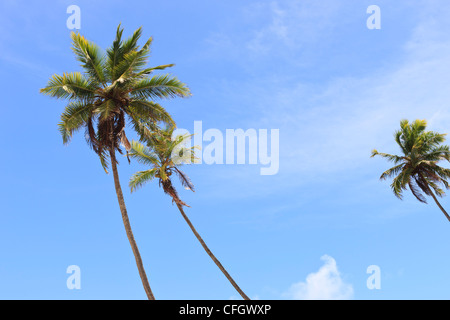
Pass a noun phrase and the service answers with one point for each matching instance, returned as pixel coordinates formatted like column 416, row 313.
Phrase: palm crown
column 163, row 153
column 114, row 86
column 417, row 167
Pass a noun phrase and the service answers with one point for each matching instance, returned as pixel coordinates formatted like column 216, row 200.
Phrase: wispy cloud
column 276, row 29
column 291, row 25
column 325, row 284
column 331, row 126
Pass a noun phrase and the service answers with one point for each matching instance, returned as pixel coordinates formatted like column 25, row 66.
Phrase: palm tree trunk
column 217, row 262
column 439, row 205
column 127, row 225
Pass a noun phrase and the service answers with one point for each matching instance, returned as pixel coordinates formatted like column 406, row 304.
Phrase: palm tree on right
column 417, row 167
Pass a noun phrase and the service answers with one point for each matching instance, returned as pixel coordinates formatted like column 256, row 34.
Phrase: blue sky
column 312, row 69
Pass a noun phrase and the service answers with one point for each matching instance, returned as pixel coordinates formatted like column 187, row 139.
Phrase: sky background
column 312, row 69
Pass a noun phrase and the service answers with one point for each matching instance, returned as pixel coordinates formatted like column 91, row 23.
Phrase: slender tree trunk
column 127, row 225
column 217, row 262
column 434, row 197
column 439, row 205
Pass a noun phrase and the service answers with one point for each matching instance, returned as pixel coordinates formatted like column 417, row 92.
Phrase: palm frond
column 132, row 62
column 143, row 155
column 74, row 117
column 159, row 86
column 390, row 157
column 415, row 191
column 399, row 184
column 104, row 156
column 444, row 173
column 130, row 44
column 69, row 86
column 392, row 171
column 439, row 192
column 90, row 56
column 438, row 153
column 106, row 109
column 185, row 180
column 146, row 110
column 140, row 178
column 144, row 128
column 114, row 55
column 147, row 71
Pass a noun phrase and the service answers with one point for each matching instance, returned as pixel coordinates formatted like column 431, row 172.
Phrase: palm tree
column 163, row 154
column 418, row 167
column 113, row 87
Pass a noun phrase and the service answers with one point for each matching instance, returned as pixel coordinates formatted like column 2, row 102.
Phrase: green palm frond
column 436, row 188
column 160, row 86
column 143, row 154
column 143, row 109
column 147, row 71
column 392, row 171
column 69, row 86
column 406, row 174
column 438, row 153
column 116, row 53
column 142, row 177
column 73, row 118
column 398, row 138
column 389, row 157
column 130, row 44
column 103, row 156
column 106, row 109
column 90, row 56
column 144, row 128
column 132, row 62
column 398, row 186
column 444, row 173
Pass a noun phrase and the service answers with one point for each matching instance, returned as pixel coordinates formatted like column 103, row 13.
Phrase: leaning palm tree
column 418, row 167
column 164, row 153
column 113, row 87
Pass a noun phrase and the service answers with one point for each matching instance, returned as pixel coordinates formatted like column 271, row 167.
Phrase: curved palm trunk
column 424, row 181
column 439, row 205
column 127, row 225
column 217, row 262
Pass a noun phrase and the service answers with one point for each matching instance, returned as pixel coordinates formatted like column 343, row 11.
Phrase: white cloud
column 325, row 284
column 288, row 30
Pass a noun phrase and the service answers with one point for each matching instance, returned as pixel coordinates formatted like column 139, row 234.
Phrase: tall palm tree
column 163, row 154
column 417, row 168
column 114, row 86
